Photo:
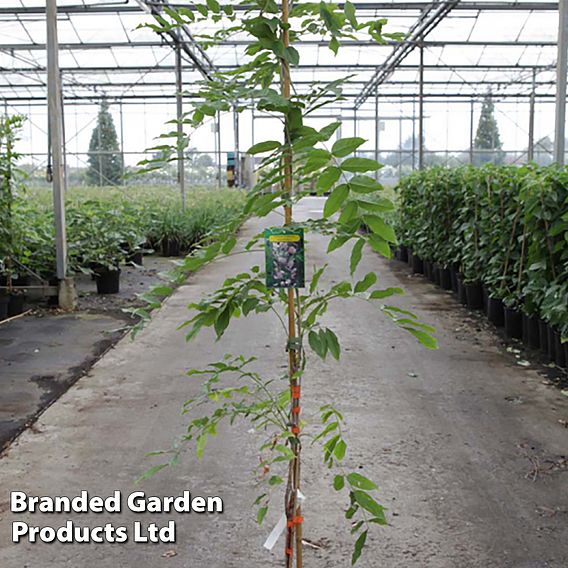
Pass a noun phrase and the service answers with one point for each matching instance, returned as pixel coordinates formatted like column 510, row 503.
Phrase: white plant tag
column 276, row 532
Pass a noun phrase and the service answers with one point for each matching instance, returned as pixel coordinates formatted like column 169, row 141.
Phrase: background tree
column 105, row 159
column 487, row 138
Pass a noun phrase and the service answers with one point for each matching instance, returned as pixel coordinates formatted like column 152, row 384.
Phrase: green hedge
column 504, row 226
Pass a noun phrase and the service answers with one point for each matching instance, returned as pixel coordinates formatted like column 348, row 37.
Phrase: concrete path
column 465, row 444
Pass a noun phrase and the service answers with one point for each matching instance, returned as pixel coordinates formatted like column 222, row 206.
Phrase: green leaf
column 356, row 255
column 214, row 6
column 346, row 146
column 266, row 146
column 364, row 184
column 349, row 10
column 315, row 280
column 275, row 480
column 316, row 343
column 151, row 472
column 338, row 482
column 339, row 450
column 425, row 339
column 328, row 178
column 222, row 320
column 200, row 445
column 359, row 165
column 349, row 213
column 335, row 200
column 368, row 503
column 379, row 227
column 364, row 284
column 261, row 514
column 332, row 344
column 291, row 54
column 359, row 544
column 228, row 245
column 360, row 482
column 380, row 294
column 337, row 242
column 378, row 244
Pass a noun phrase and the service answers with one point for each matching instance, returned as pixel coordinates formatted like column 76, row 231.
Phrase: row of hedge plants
column 498, row 236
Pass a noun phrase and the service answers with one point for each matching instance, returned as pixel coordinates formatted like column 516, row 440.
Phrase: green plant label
column 284, row 250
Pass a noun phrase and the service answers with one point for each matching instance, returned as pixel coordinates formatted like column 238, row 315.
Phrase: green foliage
column 10, row 177
column 105, row 159
column 104, row 226
column 504, row 226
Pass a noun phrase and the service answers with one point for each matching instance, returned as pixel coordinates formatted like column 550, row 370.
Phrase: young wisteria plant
column 354, row 212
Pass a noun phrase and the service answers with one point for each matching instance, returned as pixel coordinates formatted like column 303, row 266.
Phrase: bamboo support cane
column 293, row 509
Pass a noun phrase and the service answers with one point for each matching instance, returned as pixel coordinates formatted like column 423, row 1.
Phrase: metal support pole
column 400, row 145
column 413, row 135
column 252, row 121
column 530, row 150
column 561, row 67
column 421, row 110
column 121, row 135
column 471, row 132
column 355, row 125
column 237, row 149
column 219, row 167
column 63, row 135
column 377, row 130
column 56, row 138
column 179, row 116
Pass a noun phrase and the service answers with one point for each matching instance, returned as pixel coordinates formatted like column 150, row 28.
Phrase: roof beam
column 357, row 43
column 370, row 6
column 183, row 38
column 324, row 67
column 427, row 21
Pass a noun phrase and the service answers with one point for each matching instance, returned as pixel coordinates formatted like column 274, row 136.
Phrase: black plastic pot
column 485, row 295
column 15, row 305
column 474, row 296
column 4, row 303
column 427, row 268
column 551, row 343
column 454, row 275
column 170, row 247
column 531, row 333
column 417, row 265
column 513, row 323
column 495, row 312
column 403, row 253
column 559, row 351
column 435, row 274
column 135, row 258
column 108, row 281
column 462, row 297
column 445, row 278
column 543, row 337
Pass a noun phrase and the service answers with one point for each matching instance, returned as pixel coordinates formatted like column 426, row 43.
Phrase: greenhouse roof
column 469, row 47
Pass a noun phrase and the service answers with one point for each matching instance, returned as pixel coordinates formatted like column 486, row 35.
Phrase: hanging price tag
column 284, row 248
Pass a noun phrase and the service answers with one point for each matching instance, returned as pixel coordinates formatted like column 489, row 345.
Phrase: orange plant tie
column 289, row 552
column 295, row 410
column 295, row 429
column 295, row 391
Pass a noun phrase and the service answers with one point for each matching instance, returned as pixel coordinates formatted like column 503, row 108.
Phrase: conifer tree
column 487, row 137
column 105, row 159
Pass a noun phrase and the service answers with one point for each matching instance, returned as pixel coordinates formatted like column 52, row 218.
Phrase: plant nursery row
column 498, row 237
column 105, row 229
